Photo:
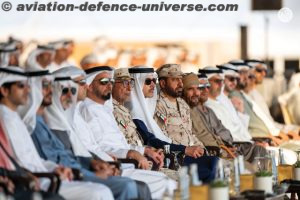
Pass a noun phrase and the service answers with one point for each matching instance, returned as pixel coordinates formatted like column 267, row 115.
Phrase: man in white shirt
column 40, row 58
column 239, row 133
column 98, row 115
column 259, row 72
column 14, row 92
column 97, row 111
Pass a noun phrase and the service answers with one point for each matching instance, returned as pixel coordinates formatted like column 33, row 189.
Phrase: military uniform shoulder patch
column 123, row 124
column 162, row 117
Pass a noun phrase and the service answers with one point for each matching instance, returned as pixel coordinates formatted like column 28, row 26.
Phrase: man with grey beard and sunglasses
column 24, row 150
column 74, row 154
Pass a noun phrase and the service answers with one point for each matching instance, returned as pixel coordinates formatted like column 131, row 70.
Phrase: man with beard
column 121, row 92
column 51, row 147
column 172, row 114
column 258, row 74
column 14, row 93
column 97, row 111
column 242, row 140
column 231, row 78
column 206, row 126
column 257, row 127
column 142, row 105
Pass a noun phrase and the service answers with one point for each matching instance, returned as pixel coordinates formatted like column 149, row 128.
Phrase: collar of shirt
column 119, row 106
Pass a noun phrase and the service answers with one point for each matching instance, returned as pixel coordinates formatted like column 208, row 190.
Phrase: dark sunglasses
column 232, row 79
column 260, row 70
column 67, row 90
column 204, row 86
column 81, row 82
column 105, row 81
column 127, row 83
column 148, row 81
column 217, row 81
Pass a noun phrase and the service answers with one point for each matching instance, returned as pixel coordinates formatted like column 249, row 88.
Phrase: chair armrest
column 229, row 152
column 54, row 178
column 78, row 176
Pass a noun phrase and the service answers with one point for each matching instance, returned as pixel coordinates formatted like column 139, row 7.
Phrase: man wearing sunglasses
column 102, row 122
column 259, row 72
column 25, row 152
column 260, row 126
column 74, row 154
column 142, row 106
column 230, row 83
column 257, row 126
column 97, row 112
column 241, row 139
column 121, row 93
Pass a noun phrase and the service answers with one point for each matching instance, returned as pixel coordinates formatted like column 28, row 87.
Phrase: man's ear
column 90, row 88
column 162, row 83
column 4, row 91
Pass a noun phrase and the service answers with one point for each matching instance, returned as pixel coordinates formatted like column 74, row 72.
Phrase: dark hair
column 7, row 86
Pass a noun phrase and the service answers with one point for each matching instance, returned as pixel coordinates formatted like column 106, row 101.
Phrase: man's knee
column 143, row 190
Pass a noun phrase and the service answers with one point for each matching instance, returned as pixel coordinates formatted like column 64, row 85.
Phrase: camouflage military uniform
column 174, row 120
column 126, row 125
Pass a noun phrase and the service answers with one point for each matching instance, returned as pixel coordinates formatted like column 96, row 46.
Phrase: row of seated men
column 47, row 131
column 85, row 120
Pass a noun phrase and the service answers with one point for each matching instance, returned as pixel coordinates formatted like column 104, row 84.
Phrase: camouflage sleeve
column 197, row 142
column 160, row 116
column 120, row 123
column 119, row 119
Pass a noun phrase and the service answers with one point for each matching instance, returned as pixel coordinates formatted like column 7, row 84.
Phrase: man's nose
column 180, row 83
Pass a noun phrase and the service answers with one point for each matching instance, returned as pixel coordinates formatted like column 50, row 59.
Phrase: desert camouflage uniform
column 174, row 120
column 126, row 124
